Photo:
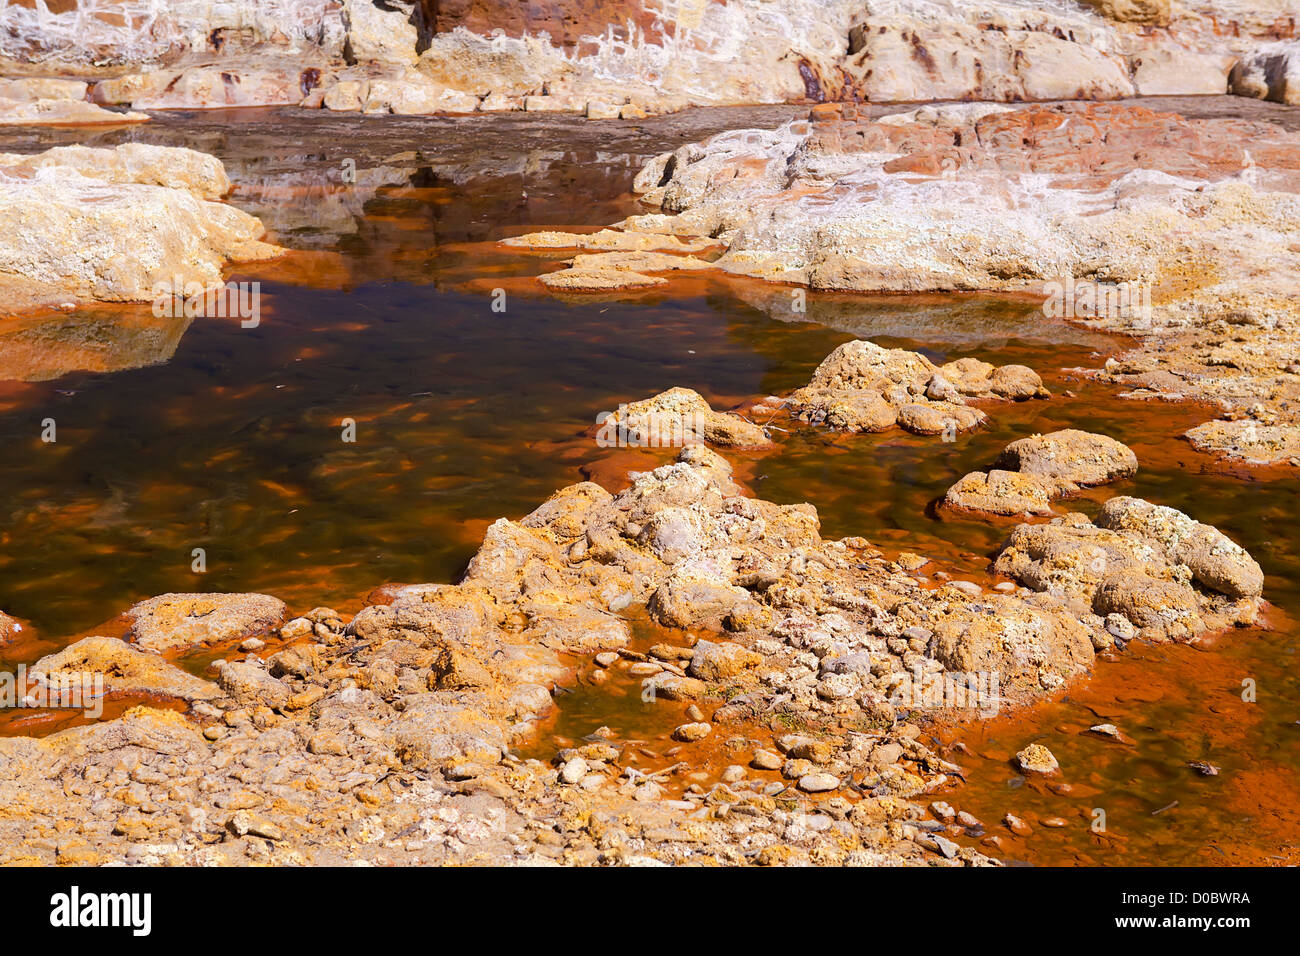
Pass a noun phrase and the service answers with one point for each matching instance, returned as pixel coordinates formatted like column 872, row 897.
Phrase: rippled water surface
column 176, row 435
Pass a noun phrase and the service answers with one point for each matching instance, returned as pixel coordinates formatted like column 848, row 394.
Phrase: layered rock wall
column 463, row 55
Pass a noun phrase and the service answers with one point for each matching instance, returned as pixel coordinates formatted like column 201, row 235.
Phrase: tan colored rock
column 1156, row 12
column 1250, row 440
column 1178, row 72
column 1070, row 458
column 714, row 661
column 9, row 629
column 1216, row 562
column 598, row 280
column 939, row 418
column 209, row 87
column 1270, row 73
column 378, row 34
column 111, row 225
column 613, row 240
column 862, row 387
column 1001, row 493
column 173, row 167
column 345, row 96
column 43, row 88
column 1176, row 576
column 123, row 669
column 414, row 94
column 1037, row 759
column 1033, row 471
column 677, row 417
column 62, row 112
column 178, row 622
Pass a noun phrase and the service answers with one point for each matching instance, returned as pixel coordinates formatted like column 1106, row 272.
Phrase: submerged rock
column 1032, row 472
column 9, row 629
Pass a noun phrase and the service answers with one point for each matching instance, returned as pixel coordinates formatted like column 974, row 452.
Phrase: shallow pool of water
column 174, row 436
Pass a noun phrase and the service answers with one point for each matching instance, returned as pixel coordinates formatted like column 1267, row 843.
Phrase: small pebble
column 733, row 774
column 766, row 760
column 692, row 732
column 573, row 771
column 818, row 782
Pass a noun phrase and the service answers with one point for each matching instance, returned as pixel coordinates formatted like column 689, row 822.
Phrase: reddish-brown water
column 173, row 437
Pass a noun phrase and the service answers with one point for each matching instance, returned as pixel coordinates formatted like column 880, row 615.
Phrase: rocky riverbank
column 802, row 671
column 1181, row 233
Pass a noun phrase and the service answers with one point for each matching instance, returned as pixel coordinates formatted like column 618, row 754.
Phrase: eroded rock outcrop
column 180, row 622
column 111, row 224
column 862, row 387
column 1032, row 472
column 1270, row 73
column 679, row 416
column 622, row 58
column 50, row 101
column 394, row 738
column 124, row 668
column 1148, row 569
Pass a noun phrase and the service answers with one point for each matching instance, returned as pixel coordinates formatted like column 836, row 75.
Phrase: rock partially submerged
column 112, row 224
column 1032, row 472
column 395, row 739
column 179, row 622
column 1041, row 199
column 862, row 387
column 123, row 669
column 1169, row 576
column 9, row 629
column 613, row 240
column 677, row 417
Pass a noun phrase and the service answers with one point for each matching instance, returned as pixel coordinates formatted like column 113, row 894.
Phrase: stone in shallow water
column 599, row 280
column 150, row 209
column 1167, row 574
column 680, row 416
column 1037, row 759
column 692, row 732
column 174, row 622
column 1033, row 471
